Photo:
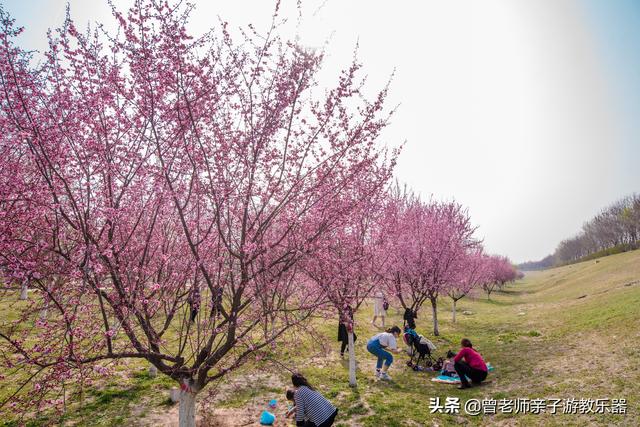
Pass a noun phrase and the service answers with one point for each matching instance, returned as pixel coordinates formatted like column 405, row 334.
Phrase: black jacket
column 343, row 335
column 409, row 318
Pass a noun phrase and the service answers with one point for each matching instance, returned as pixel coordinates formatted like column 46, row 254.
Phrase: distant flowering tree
column 472, row 271
column 425, row 243
column 160, row 191
column 501, row 271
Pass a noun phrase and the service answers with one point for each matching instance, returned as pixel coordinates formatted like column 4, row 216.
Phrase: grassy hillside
column 569, row 332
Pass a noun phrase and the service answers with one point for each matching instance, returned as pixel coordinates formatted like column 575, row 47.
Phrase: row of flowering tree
column 477, row 271
column 499, row 272
column 425, row 243
column 188, row 201
column 431, row 251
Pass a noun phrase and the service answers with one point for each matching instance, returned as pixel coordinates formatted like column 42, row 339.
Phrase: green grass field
column 569, row 332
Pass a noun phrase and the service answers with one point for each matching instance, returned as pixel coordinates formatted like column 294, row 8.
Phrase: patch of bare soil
column 162, row 418
column 214, row 411
column 211, row 417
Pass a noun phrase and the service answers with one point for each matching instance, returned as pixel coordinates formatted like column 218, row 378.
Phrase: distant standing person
column 379, row 345
column 380, row 306
column 346, row 322
column 473, row 365
column 409, row 318
column 312, row 409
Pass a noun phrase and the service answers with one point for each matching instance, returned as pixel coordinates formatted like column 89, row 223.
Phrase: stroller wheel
column 409, row 364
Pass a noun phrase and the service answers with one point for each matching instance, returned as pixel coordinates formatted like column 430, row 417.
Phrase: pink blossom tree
column 425, row 242
column 169, row 186
column 472, row 272
column 344, row 268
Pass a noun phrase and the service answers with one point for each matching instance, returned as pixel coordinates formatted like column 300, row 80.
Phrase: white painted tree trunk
column 24, row 292
column 434, row 309
column 352, row 361
column 453, row 312
column 187, row 410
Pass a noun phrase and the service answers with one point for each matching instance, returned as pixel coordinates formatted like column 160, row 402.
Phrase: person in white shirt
column 379, row 345
column 379, row 310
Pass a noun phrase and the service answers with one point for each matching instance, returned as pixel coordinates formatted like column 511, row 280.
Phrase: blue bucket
column 267, row 418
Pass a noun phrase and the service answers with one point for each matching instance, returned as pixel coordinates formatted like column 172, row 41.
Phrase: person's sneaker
column 463, row 386
column 385, row 376
column 377, row 373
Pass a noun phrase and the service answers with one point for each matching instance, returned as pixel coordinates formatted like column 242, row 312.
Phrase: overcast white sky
column 524, row 111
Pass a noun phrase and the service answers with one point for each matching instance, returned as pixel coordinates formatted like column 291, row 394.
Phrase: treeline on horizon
column 613, row 230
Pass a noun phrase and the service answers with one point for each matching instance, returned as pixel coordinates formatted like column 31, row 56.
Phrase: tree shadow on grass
column 500, row 303
column 513, row 292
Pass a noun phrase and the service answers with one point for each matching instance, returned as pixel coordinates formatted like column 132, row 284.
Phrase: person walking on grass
column 311, row 408
column 379, row 345
column 473, row 365
column 380, row 306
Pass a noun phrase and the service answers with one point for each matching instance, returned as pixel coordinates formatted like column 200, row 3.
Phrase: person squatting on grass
column 312, row 409
column 378, row 346
column 473, row 365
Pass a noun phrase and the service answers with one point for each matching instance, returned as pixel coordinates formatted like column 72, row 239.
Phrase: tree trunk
column 453, row 312
column 45, row 311
column 115, row 327
column 352, row 361
column 24, row 292
column 187, row 410
column 434, row 308
column 81, row 391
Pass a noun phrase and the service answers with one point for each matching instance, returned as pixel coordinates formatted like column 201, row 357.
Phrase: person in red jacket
column 473, row 365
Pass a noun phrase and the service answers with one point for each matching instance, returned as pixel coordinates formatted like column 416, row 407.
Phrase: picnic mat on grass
column 453, row 380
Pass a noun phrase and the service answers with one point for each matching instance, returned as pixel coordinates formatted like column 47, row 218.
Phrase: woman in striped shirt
column 312, row 409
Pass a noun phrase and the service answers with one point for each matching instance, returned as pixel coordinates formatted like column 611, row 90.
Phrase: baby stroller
column 420, row 349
